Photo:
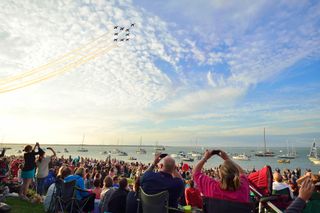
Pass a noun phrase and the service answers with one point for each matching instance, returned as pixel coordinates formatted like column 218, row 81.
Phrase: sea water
column 96, row 152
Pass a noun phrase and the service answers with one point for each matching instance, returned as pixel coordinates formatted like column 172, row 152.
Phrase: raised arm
column 154, row 163
column 54, row 153
column 225, row 157
column 200, row 164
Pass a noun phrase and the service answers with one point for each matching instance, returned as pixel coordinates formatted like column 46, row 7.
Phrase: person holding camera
column 167, row 179
column 28, row 169
column 233, row 184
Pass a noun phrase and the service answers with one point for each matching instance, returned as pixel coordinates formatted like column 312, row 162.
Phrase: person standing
column 28, row 169
column 43, row 169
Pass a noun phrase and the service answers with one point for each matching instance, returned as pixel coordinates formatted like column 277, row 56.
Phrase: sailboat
column 83, row 149
column 313, row 155
column 159, row 148
column 141, row 150
column 290, row 154
column 265, row 152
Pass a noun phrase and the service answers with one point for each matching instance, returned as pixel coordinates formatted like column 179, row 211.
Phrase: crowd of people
column 112, row 185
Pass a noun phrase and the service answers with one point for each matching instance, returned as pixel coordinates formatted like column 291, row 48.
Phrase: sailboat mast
column 264, row 139
column 83, row 137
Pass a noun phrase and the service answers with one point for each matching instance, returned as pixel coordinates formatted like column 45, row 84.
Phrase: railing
column 268, row 203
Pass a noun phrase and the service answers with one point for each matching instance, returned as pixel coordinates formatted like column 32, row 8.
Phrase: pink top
column 211, row 188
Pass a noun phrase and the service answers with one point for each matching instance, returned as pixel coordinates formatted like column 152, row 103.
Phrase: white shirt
column 277, row 186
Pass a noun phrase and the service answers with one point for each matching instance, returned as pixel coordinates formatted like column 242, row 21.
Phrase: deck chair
column 63, row 199
column 155, row 203
column 213, row 205
column 84, row 205
column 260, row 183
column 283, row 198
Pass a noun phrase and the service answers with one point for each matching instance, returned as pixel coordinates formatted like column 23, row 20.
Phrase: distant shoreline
column 130, row 145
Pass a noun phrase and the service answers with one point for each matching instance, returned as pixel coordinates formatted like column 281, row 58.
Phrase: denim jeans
column 40, row 186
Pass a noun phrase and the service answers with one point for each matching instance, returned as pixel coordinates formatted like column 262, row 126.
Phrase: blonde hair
column 80, row 171
column 230, row 176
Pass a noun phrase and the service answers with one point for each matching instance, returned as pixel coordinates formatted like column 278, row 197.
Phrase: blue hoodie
column 79, row 183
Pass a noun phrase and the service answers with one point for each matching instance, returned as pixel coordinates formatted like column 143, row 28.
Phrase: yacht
column 118, row 152
column 265, row 152
column 195, row 154
column 290, row 154
column 174, row 155
column 83, row 149
column 159, row 148
column 186, row 158
column 313, row 155
column 241, row 157
column 141, row 150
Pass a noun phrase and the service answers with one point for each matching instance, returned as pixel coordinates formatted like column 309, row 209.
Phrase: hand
column 306, row 189
column 156, row 158
column 207, row 154
column 224, row 155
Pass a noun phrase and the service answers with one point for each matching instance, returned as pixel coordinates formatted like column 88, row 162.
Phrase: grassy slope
column 21, row 206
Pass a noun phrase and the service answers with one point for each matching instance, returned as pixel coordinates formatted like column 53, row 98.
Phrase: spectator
column 106, row 193
column 43, row 169
column 3, row 152
column 115, row 182
column 167, row 179
column 233, row 184
column 62, row 174
column 132, row 203
column 84, row 195
column 278, row 185
column 97, row 189
column 28, row 170
column 118, row 198
column 305, row 193
column 193, row 197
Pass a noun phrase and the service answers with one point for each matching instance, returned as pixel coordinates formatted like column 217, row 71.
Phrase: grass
column 21, row 206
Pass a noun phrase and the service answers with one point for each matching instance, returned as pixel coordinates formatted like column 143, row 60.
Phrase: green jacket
column 313, row 206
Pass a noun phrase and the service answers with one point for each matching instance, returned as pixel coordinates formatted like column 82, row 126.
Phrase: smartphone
column 215, row 152
column 163, row 155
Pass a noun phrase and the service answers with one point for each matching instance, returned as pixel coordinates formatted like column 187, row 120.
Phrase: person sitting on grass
column 193, row 196
column 117, row 203
column 97, row 189
column 106, row 193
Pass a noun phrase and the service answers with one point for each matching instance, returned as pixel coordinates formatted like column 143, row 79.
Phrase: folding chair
column 155, row 203
column 63, row 199
column 213, row 205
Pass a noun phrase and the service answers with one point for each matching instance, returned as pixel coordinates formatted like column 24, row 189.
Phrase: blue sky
column 213, row 71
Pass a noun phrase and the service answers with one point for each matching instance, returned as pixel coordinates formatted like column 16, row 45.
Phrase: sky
column 212, row 73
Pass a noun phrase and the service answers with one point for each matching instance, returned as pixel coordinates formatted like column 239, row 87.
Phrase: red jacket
column 193, row 197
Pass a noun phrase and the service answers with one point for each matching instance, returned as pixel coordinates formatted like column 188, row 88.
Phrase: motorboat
column 186, row 158
column 132, row 158
column 174, row 156
column 105, row 153
column 243, row 157
column 283, row 161
column 66, row 150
